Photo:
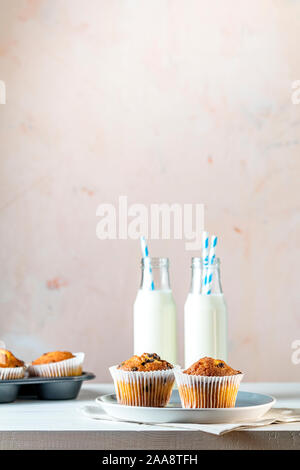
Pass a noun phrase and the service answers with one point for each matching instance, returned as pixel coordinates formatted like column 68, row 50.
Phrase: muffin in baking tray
column 145, row 380
column 208, row 383
column 57, row 364
column 10, row 366
column 51, row 357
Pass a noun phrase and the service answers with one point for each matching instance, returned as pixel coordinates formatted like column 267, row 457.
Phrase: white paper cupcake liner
column 66, row 368
column 10, row 373
column 197, row 391
column 151, row 388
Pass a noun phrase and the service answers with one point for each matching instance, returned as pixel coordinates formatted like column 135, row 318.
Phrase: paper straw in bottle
column 211, row 260
column 205, row 243
column 147, row 264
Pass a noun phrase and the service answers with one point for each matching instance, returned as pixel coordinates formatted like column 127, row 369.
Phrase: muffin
column 208, row 383
column 57, row 364
column 10, row 366
column 145, row 380
column 51, row 357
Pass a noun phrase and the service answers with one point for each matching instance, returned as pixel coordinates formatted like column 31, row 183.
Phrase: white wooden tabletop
column 28, row 424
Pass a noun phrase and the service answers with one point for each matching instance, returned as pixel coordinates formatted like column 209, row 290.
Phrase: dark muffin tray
column 40, row 388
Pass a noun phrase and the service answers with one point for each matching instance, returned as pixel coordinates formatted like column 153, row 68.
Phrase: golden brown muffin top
column 145, row 363
column 55, row 356
column 211, row 368
column 7, row 359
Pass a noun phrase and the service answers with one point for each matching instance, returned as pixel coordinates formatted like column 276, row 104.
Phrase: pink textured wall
column 162, row 101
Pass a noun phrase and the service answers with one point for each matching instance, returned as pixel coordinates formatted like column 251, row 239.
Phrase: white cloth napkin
column 274, row 416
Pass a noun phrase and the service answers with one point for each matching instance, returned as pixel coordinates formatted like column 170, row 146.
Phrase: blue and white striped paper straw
column 211, row 260
column 205, row 243
column 145, row 253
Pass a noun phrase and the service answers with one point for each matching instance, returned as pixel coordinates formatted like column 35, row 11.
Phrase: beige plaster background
column 162, row 101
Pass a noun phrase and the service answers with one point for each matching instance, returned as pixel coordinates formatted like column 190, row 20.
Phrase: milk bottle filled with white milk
column 155, row 311
column 205, row 315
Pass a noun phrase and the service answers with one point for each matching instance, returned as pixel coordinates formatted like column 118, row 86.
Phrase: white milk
column 205, row 327
column 155, row 324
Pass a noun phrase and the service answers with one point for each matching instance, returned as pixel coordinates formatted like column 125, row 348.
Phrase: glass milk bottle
column 205, row 316
column 155, row 311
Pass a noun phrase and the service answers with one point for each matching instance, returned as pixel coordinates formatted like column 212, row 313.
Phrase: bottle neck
column 205, row 278
column 155, row 274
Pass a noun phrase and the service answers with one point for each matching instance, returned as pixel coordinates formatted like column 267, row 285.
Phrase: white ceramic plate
column 248, row 406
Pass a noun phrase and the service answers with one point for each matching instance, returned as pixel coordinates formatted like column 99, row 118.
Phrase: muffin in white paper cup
column 63, row 368
column 197, row 391
column 151, row 388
